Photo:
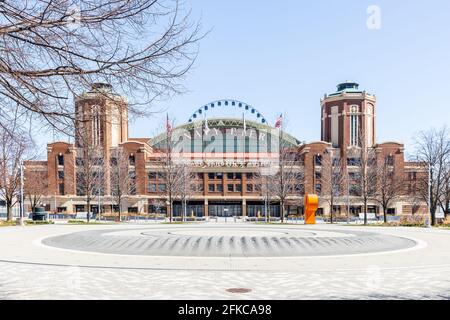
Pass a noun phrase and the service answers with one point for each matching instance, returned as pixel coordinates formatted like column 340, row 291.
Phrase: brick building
column 226, row 157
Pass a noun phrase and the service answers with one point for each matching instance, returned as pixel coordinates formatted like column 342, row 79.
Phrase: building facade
column 227, row 159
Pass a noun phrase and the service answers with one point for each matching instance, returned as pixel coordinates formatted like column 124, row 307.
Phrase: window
column 152, row 175
column 239, row 187
column 219, row 188
column 238, row 175
column 230, row 176
column 412, row 176
column 353, row 161
column 60, row 160
column 151, row 187
column 355, row 190
column 354, row 175
column 60, row 174
column 162, row 187
column 249, row 176
column 230, row 187
column 211, row 188
column 131, row 160
column 114, row 161
column 318, row 188
column 318, row 160
column 215, row 175
column 61, row 188
column 318, row 175
column 200, row 176
column 389, row 160
column 354, row 126
column 390, row 211
column 249, row 188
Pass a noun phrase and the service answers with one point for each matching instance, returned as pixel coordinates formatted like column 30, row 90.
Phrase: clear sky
column 282, row 56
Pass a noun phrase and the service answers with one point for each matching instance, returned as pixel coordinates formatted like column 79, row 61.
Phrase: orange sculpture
column 311, row 205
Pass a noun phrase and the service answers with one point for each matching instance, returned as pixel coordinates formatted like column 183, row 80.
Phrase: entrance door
column 224, row 210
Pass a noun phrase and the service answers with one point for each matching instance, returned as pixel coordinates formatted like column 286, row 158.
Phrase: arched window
column 354, row 126
column 96, row 126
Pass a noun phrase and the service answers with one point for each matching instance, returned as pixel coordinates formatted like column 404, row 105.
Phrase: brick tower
column 348, row 116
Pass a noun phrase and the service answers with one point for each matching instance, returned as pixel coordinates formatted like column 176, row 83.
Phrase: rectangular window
column 318, row 160
column 152, row 175
column 60, row 174
column 162, row 187
column 211, row 176
column 151, row 187
column 249, row 175
column 230, row 188
column 390, row 211
column 219, row 188
column 318, row 188
column 230, row 176
column 131, row 160
column 353, row 161
column 318, row 175
column 249, row 188
column 211, row 188
column 61, row 188
column 239, row 187
column 60, row 160
column 238, row 175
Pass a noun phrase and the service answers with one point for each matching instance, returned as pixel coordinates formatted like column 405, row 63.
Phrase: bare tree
column 90, row 169
column 15, row 146
column 389, row 186
column 333, row 178
column 123, row 179
column 433, row 149
column 289, row 176
column 51, row 50
column 36, row 186
column 184, row 189
column 364, row 170
column 264, row 181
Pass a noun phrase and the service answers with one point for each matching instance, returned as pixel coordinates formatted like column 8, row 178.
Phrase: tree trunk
column 282, row 211
column 9, row 214
column 331, row 211
column 385, row 214
column 88, row 203
column 365, row 212
column 120, row 211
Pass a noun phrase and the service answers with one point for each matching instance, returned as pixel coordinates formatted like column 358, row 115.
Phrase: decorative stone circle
column 233, row 241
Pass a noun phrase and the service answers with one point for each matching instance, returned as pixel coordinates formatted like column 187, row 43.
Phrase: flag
column 279, row 121
column 168, row 125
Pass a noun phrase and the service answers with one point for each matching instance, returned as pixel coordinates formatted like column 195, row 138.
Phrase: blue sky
column 282, row 56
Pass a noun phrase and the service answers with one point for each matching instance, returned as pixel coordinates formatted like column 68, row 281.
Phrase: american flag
column 279, row 121
column 168, row 125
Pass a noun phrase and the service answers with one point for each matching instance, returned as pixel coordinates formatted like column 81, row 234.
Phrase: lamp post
column 429, row 196
column 21, row 214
